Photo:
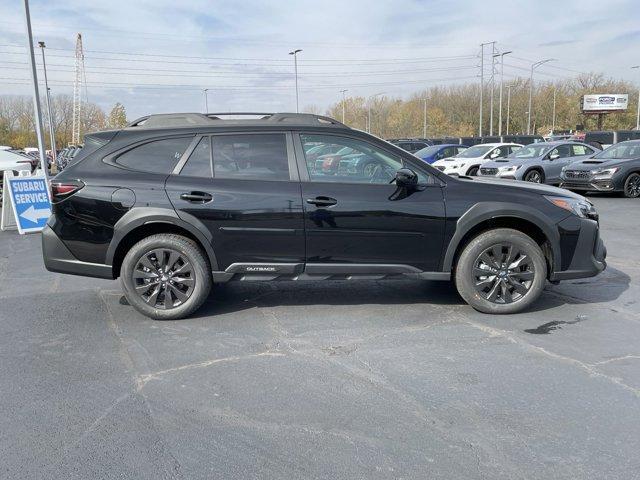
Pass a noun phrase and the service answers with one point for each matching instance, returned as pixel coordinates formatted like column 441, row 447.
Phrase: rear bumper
column 589, row 255
column 58, row 258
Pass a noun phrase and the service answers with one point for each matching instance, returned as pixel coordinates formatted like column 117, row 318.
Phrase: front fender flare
column 484, row 211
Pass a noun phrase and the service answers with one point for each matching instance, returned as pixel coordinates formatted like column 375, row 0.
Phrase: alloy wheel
column 534, row 177
column 632, row 188
column 164, row 278
column 503, row 273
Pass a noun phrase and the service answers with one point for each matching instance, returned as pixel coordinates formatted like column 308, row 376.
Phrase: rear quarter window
column 157, row 156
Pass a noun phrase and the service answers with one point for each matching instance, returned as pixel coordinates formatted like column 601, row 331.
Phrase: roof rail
column 200, row 119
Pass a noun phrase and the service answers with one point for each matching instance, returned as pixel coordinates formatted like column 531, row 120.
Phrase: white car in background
column 468, row 162
column 12, row 161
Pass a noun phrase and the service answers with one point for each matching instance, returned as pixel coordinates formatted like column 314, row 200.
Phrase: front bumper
column 58, row 258
column 583, row 251
column 595, row 185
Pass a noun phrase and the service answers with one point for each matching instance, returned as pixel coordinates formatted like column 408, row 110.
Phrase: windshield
column 530, row 151
column 475, row 151
column 428, row 151
column 620, row 150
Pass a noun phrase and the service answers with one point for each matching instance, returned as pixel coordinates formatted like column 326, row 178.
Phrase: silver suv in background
column 537, row 162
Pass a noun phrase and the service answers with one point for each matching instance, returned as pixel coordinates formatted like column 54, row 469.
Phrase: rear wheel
column 632, row 186
column 501, row 271
column 534, row 176
column 166, row 276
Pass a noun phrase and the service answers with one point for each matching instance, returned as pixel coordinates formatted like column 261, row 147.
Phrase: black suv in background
column 174, row 203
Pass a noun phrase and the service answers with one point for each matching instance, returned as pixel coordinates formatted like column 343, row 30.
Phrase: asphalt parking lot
column 394, row 379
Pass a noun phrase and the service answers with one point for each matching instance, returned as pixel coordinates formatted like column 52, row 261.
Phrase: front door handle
column 322, row 201
column 197, row 197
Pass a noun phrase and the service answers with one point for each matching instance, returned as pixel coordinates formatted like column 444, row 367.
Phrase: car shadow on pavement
column 235, row 297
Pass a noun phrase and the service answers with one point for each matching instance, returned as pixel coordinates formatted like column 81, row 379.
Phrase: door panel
column 251, row 220
column 352, row 216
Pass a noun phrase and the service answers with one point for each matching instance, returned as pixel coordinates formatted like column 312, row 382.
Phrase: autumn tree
column 117, row 117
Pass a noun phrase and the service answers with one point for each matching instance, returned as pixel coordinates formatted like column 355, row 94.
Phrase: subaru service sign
column 31, row 202
column 605, row 102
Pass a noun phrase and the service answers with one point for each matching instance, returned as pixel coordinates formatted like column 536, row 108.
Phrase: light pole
column 369, row 110
column 533, row 67
column 343, row 103
column 482, row 83
column 501, row 86
column 206, row 100
column 424, row 122
column 508, row 105
column 638, row 113
column 295, row 65
column 52, row 134
column 36, row 95
column 553, row 115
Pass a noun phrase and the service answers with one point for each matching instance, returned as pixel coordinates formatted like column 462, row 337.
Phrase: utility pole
column 343, row 104
column 638, row 113
column 493, row 84
column 508, row 105
column 36, row 95
column 533, row 67
column 501, row 87
column 77, row 92
column 52, row 135
column 206, row 100
column 424, row 123
column 553, row 115
column 482, row 84
column 295, row 64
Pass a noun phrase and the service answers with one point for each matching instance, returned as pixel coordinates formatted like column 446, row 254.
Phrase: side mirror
column 494, row 155
column 553, row 156
column 405, row 177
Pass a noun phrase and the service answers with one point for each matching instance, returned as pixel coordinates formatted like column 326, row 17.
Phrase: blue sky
column 158, row 56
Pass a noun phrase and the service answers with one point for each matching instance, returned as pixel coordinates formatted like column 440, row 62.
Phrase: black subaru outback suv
column 174, row 203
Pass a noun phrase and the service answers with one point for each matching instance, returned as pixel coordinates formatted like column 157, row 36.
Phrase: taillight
column 62, row 190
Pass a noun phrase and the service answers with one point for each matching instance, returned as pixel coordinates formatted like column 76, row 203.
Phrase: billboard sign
column 605, row 102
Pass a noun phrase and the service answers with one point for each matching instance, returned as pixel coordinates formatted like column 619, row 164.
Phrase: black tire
column 523, row 283
column 472, row 172
column 171, row 267
column 632, row 186
column 534, row 176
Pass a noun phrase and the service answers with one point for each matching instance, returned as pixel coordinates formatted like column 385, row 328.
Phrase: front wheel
column 472, row 172
column 166, row 276
column 501, row 271
column 632, row 186
column 534, row 176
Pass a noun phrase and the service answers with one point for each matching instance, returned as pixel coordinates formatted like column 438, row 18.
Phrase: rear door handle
column 322, row 201
column 197, row 197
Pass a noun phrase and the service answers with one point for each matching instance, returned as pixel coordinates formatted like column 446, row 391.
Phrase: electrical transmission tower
column 77, row 92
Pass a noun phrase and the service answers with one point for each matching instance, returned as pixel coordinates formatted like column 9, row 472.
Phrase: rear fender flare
column 139, row 216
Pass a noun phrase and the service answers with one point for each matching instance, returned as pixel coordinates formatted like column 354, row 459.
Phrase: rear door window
column 581, row 150
column 250, row 156
column 199, row 162
column 158, row 156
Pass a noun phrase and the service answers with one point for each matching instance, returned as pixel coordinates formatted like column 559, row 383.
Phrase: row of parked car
column 566, row 163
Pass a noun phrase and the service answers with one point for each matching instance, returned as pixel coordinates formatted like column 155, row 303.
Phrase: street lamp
column 343, row 102
column 533, row 67
column 501, row 55
column 206, row 100
column 369, row 109
column 638, row 113
column 295, row 63
column 52, row 134
column 508, row 105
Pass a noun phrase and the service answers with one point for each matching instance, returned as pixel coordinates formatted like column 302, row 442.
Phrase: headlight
column 601, row 173
column 512, row 168
column 579, row 207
